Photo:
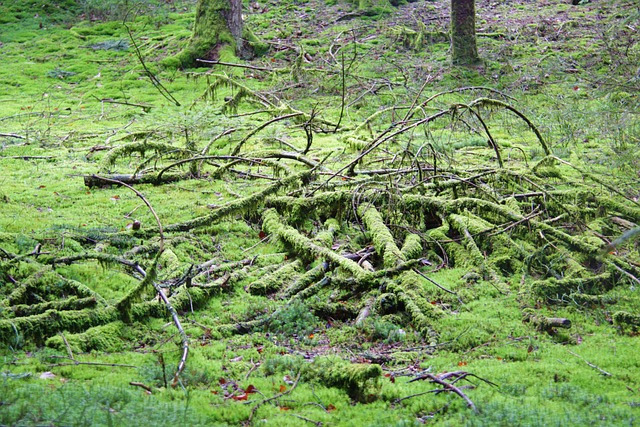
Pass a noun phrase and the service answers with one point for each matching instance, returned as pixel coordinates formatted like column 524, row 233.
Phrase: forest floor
column 344, row 231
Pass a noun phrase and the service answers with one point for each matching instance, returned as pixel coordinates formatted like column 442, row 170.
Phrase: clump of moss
column 359, row 380
column 108, row 338
column 625, row 319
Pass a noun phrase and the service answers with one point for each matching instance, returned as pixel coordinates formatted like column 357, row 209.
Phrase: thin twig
column 154, row 80
column 79, row 362
column 448, row 386
column 602, row 371
column 176, row 321
column 231, row 64
column 12, row 135
column 317, row 423
column 27, row 157
column 146, row 202
column 277, row 396
column 437, row 284
column 136, row 384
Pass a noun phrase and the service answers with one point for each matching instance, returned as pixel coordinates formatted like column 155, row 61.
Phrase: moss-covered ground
column 314, row 285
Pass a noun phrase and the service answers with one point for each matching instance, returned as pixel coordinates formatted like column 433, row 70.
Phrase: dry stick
column 27, row 157
column 454, row 389
column 400, row 399
column 254, row 366
column 631, row 276
column 12, row 135
column 236, row 150
column 145, row 107
column 205, row 150
column 603, row 372
column 136, row 384
column 78, row 362
column 200, row 158
column 532, row 215
column 176, row 321
column 342, row 103
column 449, row 387
column 66, row 343
column 437, row 284
column 415, row 99
column 146, row 202
column 534, row 129
column 172, row 311
column 309, row 420
column 435, row 391
column 462, row 89
column 377, row 143
column 154, row 80
column 94, row 255
column 486, row 129
column 231, row 64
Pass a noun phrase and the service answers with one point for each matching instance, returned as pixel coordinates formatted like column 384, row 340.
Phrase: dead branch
column 143, row 386
column 27, row 157
column 452, row 377
column 448, row 387
column 602, row 371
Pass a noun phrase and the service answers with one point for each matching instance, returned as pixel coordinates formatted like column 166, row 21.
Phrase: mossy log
column 71, row 303
column 38, row 327
column 543, row 323
column 273, row 282
column 359, row 380
column 244, row 205
column 409, row 285
column 92, row 181
column 552, row 288
column 303, row 246
column 106, row 338
column 382, row 238
column 625, row 319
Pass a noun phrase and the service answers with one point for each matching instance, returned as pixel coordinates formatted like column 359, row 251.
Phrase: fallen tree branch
column 602, row 371
column 441, row 379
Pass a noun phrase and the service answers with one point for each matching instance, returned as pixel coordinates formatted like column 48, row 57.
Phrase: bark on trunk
column 218, row 24
column 463, row 32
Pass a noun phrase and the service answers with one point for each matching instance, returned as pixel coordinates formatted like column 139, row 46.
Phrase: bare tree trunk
column 463, row 32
